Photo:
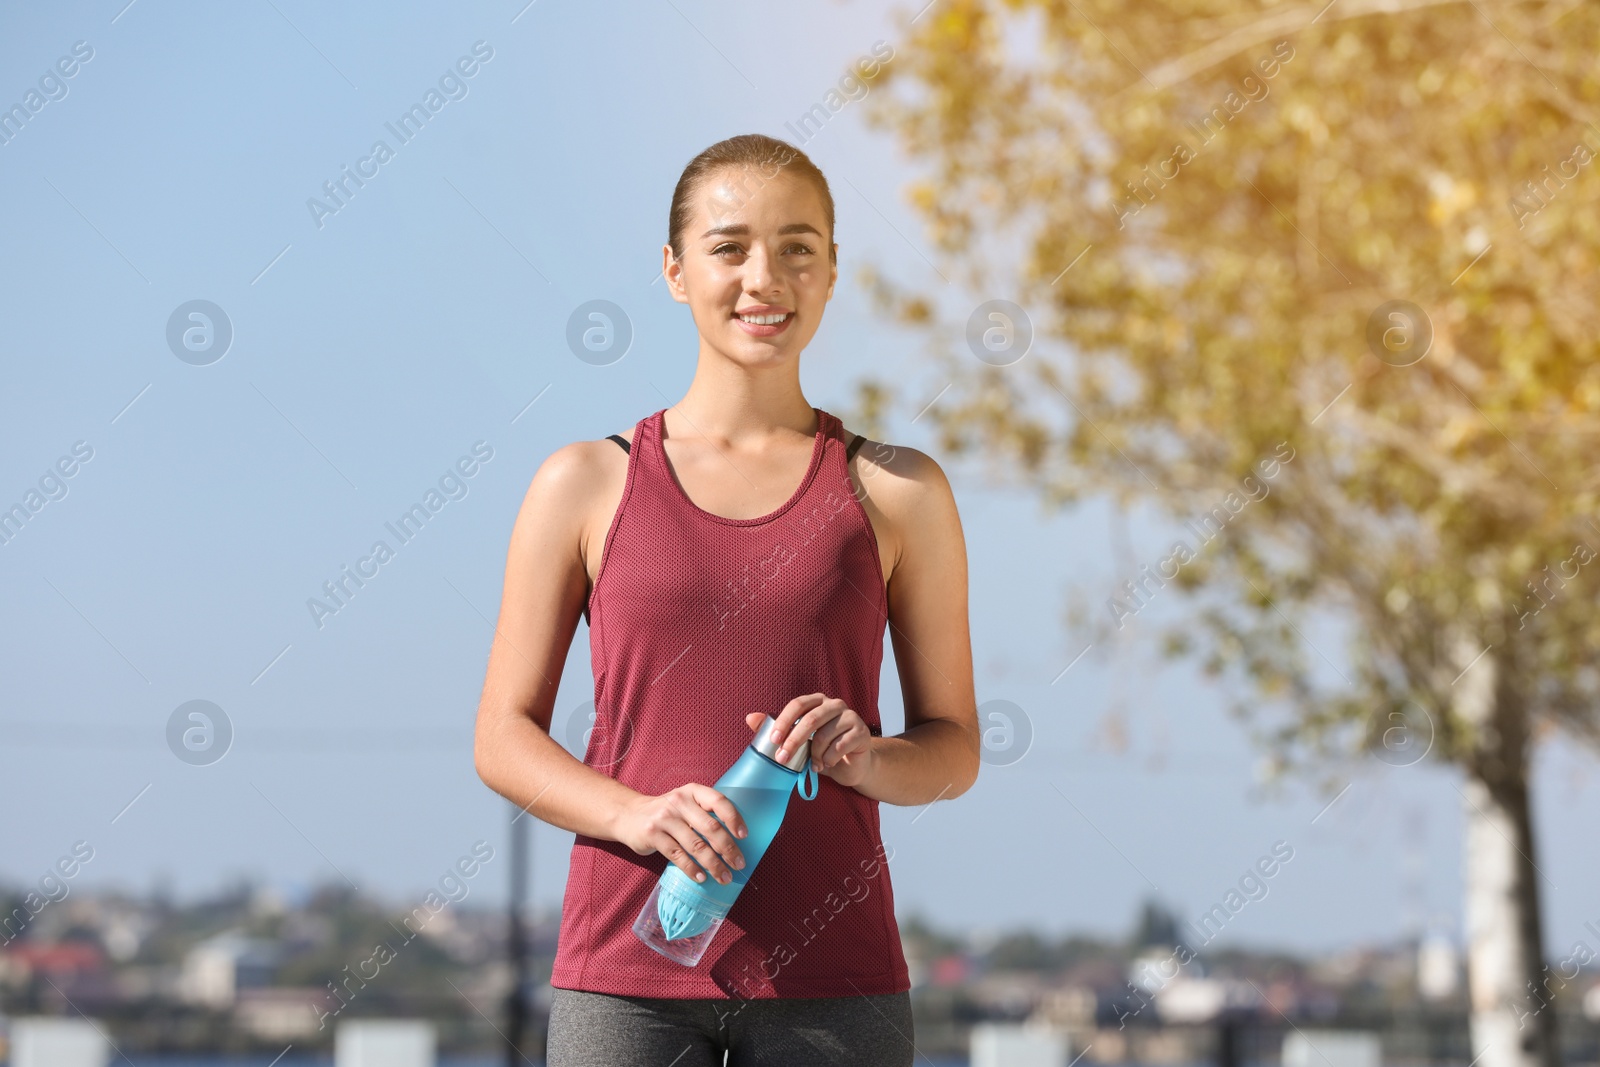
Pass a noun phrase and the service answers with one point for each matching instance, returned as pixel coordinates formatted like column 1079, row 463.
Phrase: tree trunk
column 1513, row 1019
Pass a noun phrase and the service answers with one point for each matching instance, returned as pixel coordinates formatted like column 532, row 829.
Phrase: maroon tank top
column 695, row 621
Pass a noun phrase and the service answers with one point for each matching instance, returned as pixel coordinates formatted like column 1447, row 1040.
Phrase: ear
column 672, row 271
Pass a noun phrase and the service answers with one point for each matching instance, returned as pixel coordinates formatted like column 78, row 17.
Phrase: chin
column 764, row 355
column 751, row 352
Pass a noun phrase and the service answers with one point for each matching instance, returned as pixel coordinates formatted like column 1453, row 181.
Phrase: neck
column 729, row 404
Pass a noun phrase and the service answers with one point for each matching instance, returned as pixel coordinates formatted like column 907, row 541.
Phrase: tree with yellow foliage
column 1365, row 230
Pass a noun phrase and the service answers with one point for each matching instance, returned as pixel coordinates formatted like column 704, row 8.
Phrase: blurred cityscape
column 248, row 972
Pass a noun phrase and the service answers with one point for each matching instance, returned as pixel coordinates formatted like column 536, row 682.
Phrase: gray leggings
column 602, row 1030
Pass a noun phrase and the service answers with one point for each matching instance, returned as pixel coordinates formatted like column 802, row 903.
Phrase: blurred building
column 215, row 970
column 1200, row 1000
column 1438, row 968
column 1010, row 1045
column 22, row 961
column 44, row 1042
column 280, row 1014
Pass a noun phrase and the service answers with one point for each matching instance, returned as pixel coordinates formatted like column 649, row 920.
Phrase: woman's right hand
column 678, row 824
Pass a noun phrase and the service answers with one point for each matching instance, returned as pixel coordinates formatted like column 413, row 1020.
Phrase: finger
column 709, row 799
column 754, row 720
column 830, row 754
column 847, row 722
column 670, row 841
column 704, row 802
column 806, row 723
column 721, row 842
column 825, row 734
column 700, row 850
column 811, row 722
column 798, row 707
column 848, row 742
column 792, row 711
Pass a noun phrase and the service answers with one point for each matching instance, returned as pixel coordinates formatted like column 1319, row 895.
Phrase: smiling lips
column 763, row 320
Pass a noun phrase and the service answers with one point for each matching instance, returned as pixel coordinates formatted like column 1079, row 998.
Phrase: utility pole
column 1230, row 1026
column 516, row 939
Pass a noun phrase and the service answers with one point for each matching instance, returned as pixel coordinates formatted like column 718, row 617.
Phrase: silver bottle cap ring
column 764, row 744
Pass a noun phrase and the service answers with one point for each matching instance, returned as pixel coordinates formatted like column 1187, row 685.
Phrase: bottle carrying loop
column 811, row 775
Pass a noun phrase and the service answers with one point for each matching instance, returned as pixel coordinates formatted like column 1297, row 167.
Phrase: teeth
column 763, row 320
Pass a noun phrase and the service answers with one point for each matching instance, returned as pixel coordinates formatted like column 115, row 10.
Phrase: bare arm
column 545, row 586
column 937, row 756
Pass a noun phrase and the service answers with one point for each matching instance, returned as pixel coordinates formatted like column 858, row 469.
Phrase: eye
column 798, row 246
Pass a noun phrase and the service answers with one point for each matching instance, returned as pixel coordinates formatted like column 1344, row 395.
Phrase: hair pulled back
column 768, row 156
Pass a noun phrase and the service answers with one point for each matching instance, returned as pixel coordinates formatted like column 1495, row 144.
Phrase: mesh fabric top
column 697, row 620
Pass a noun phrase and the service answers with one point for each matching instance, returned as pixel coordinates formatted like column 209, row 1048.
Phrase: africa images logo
column 452, row 86
column 452, row 485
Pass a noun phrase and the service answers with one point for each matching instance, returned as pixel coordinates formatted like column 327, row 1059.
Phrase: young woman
column 736, row 555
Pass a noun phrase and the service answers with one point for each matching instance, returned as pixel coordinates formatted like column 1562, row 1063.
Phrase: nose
column 759, row 276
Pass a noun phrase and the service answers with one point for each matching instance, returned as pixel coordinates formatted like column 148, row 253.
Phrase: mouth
column 764, row 324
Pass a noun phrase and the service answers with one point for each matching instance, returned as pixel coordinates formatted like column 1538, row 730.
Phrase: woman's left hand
column 841, row 744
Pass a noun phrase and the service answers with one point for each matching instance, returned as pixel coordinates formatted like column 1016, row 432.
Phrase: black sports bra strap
column 619, row 439
column 850, row 452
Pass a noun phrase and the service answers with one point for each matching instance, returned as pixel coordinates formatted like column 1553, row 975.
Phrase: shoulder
column 897, row 476
column 576, row 476
column 908, row 488
column 573, row 466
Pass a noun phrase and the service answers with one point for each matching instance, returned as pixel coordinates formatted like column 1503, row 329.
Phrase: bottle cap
column 764, row 744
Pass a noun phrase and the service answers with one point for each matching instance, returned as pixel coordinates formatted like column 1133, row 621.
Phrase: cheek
column 710, row 296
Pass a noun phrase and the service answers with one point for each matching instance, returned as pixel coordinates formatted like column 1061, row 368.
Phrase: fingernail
column 699, row 876
column 743, row 832
column 739, row 863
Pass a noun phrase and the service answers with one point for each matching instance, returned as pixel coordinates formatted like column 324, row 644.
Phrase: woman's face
column 754, row 245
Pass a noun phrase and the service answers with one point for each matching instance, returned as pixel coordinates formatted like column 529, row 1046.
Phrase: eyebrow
column 740, row 230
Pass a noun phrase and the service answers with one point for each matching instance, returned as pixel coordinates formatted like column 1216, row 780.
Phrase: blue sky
column 375, row 346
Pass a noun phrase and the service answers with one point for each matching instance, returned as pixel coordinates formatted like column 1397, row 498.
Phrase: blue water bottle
column 682, row 916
